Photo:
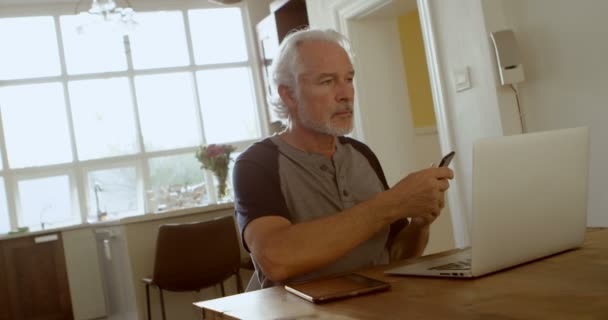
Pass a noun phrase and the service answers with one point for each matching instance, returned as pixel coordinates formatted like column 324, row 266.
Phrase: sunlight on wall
column 414, row 60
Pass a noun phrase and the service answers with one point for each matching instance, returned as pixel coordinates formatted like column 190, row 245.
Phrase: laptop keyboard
column 459, row 265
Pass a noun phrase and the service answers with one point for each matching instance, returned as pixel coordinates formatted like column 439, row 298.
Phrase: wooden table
column 571, row 285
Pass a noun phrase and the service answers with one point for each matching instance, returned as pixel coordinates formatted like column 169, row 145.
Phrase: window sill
column 127, row 220
column 168, row 214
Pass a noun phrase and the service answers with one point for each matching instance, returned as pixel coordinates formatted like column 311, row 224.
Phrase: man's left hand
column 426, row 221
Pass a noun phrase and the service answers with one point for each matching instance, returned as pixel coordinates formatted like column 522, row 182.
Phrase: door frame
column 342, row 13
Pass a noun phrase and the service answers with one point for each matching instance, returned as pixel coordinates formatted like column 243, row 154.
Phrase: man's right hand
column 420, row 194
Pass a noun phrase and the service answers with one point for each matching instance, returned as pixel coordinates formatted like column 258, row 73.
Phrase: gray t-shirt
column 274, row 178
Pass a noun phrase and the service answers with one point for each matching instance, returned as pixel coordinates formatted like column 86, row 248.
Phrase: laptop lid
column 529, row 197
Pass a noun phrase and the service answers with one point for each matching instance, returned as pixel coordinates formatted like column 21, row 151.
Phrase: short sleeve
column 257, row 186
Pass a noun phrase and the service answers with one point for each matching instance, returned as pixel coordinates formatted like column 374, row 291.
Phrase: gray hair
column 286, row 63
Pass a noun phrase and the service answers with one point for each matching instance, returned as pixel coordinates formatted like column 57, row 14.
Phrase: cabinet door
column 5, row 311
column 290, row 15
column 36, row 276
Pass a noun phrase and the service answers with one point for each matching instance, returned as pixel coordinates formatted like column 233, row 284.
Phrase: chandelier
column 106, row 16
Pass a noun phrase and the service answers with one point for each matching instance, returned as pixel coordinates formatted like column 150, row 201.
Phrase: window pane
column 156, row 32
column 29, row 48
column 113, row 192
column 104, row 123
column 217, row 35
column 93, row 51
column 167, row 111
column 227, row 116
column 45, row 202
column 35, row 125
column 5, row 225
column 177, row 182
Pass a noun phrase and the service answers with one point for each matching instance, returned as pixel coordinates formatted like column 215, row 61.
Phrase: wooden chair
column 194, row 256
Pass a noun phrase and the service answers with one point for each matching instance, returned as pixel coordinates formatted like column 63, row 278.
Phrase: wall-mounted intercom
column 507, row 55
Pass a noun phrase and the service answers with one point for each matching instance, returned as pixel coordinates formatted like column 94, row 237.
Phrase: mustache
column 345, row 107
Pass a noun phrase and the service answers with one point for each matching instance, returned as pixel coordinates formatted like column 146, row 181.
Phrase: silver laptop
column 529, row 202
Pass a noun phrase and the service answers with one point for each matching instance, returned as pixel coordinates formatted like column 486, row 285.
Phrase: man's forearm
column 410, row 242
column 303, row 247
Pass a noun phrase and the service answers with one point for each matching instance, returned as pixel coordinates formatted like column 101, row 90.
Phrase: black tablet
column 338, row 287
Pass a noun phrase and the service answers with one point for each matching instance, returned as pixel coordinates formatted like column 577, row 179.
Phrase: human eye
column 327, row 81
column 350, row 78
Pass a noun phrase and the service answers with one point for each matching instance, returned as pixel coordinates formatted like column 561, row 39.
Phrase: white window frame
column 78, row 169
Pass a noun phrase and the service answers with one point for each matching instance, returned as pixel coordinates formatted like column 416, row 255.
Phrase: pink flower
column 215, row 157
column 214, row 150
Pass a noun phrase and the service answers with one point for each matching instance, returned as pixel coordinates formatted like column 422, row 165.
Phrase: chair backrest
column 192, row 256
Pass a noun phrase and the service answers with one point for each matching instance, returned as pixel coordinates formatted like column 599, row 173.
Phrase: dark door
column 36, row 278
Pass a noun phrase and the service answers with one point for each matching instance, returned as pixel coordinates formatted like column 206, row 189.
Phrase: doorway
column 391, row 117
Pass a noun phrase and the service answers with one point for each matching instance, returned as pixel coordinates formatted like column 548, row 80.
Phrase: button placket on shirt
column 341, row 183
column 328, row 170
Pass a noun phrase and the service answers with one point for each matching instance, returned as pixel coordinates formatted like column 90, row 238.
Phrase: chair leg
column 204, row 316
column 222, row 287
column 162, row 303
column 148, row 301
column 239, row 282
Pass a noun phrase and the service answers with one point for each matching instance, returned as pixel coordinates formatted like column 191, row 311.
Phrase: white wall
column 318, row 14
column 564, row 51
column 462, row 41
column 383, row 106
column 507, row 102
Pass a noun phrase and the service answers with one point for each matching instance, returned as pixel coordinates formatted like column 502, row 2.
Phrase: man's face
column 325, row 91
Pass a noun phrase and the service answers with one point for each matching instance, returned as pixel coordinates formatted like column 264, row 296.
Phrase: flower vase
column 222, row 194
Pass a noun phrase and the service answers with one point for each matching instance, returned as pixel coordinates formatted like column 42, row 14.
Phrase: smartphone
column 445, row 161
column 338, row 287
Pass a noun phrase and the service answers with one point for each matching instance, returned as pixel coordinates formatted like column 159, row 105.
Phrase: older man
column 311, row 202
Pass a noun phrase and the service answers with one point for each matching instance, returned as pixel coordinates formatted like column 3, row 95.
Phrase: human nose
column 345, row 91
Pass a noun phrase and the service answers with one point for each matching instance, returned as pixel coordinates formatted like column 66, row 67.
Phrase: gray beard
column 324, row 127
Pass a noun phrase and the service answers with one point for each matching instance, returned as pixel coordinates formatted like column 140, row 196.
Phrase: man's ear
column 288, row 97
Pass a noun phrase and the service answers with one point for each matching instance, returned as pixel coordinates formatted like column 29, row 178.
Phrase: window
column 35, row 125
column 228, row 116
column 103, row 126
column 177, row 181
column 123, row 118
column 158, row 31
column 45, row 201
column 217, row 36
column 36, row 39
column 168, row 117
column 90, row 53
column 113, row 192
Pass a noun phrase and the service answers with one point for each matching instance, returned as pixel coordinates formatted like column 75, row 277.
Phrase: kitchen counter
column 126, row 220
